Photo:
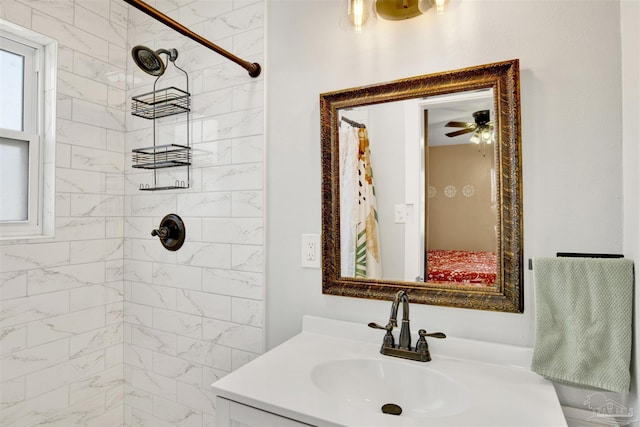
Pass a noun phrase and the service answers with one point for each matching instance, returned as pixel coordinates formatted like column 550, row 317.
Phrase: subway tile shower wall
column 101, row 325
column 61, row 307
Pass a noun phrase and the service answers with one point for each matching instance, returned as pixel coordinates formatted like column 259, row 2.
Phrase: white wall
column 629, row 18
column 571, row 139
column 387, row 160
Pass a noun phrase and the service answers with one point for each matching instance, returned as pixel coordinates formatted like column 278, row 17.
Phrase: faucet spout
column 393, row 316
column 405, row 331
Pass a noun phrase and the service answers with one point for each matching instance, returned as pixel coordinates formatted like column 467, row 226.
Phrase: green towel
column 583, row 321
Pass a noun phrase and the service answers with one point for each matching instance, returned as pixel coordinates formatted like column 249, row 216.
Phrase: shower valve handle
column 161, row 232
column 171, row 232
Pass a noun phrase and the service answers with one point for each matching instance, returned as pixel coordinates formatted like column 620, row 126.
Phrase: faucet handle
column 162, row 232
column 387, row 328
column 422, row 347
column 388, row 341
column 424, row 333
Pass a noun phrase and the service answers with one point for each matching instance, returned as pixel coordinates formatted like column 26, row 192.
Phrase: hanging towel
column 583, row 321
column 368, row 262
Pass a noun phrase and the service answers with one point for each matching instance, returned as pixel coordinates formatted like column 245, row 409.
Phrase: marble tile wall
column 61, row 299
column 101, row 325
column 193, row 315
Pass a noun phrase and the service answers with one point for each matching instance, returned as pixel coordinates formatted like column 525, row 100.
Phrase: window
column 27, row 60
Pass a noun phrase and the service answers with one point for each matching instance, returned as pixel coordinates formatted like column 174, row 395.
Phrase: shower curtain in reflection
column 359, row 235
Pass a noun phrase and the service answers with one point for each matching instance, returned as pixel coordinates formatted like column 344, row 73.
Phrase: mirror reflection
column 461, row 202
column 422, row 189
column 416, row 177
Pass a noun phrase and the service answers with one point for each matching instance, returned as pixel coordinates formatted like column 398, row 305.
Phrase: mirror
column 421, row 189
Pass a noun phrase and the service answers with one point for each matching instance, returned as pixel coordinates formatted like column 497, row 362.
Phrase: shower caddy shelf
column 161, row 103
column 161, row 156
column 153, row 105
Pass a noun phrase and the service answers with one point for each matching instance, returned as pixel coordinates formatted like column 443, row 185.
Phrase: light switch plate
column 400, row 214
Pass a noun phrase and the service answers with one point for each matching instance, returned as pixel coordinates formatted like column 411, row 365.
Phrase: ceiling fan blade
column 459, row 132
column 455, row 124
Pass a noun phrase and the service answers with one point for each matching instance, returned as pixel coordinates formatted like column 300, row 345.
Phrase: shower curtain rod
column 253, row 68
column 353, row 123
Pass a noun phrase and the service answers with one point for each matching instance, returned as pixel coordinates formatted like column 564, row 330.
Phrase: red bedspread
column 464, row 267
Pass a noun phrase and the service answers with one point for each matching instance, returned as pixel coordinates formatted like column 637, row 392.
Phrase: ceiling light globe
column 439, row 5
column 357, row 15
column 486, row 135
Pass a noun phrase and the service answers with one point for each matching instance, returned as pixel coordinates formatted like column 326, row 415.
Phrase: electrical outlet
column 310, row 251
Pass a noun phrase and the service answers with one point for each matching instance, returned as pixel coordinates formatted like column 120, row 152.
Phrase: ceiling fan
column 482, row 127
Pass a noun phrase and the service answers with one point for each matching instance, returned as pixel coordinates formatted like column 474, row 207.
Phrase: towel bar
column 580, row 255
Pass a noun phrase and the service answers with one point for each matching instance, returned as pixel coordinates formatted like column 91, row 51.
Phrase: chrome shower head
column 149, row 61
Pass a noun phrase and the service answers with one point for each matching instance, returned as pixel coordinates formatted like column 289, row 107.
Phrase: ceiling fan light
column 475, row 138
column 486, row 135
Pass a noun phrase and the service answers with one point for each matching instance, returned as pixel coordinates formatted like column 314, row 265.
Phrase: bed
column 472, row 268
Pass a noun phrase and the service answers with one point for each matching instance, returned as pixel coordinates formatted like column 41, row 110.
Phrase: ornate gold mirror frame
column 507, row 294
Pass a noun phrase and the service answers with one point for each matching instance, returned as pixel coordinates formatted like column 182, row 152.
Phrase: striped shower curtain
column 359, row 234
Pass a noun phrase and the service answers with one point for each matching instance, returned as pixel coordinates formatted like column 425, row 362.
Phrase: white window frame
column 40, row 53
column 34, row 213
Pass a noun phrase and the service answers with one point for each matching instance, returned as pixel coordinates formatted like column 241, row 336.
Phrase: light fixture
column 482, row 128
column 487, row 134
column 439, row 5
column 404, row 9
column 483, row 134
column 357, row 15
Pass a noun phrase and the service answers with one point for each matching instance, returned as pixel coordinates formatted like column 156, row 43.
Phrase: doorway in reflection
column 460, row 204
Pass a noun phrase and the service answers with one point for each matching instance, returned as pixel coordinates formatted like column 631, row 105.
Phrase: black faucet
column 405, row 332
column 404, row 350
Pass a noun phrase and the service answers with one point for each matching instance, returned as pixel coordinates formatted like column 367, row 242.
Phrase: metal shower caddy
column 169, row 101
column 156, row 104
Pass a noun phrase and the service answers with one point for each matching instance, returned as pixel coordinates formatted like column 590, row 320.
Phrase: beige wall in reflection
column 461, row 214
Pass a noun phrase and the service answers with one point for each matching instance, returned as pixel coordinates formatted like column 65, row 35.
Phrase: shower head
column 149, row 61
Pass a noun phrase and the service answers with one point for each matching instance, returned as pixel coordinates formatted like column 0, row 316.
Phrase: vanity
column 332, row 374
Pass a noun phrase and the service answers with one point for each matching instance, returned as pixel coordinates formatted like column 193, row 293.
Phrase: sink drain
column 391, row 409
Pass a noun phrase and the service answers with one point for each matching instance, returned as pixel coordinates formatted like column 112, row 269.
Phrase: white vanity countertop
column 502, row 390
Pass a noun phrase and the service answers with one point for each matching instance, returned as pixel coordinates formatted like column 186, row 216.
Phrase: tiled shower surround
column 102, row 326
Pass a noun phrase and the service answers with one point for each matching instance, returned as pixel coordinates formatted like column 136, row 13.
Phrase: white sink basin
column 368, row 384
column 332, row 374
